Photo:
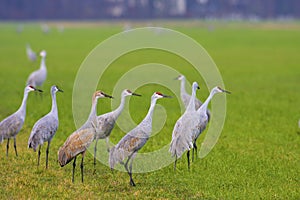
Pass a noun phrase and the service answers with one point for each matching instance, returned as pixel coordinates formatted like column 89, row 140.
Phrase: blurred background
column 148, row 9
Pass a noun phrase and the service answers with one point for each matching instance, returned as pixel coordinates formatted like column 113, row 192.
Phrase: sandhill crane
column 45, row 128
column 38, row 77
column 186, row 132
column 183, row 129
column 185, row 97
column 134, row 140
column 79, row 141
column 106, row 122
column 10, row 126
column 31, row 55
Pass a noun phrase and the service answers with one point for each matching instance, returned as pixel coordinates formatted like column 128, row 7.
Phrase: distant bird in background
column 185, row 127
column 31, row 55
column 10, row 126
column 79, row 141
column 134, row 140
column 106, row 122
column 38, row 77
column 180, row 144
column 45, row 28
column 20, row 28
column 45, row 128
column 185, row 97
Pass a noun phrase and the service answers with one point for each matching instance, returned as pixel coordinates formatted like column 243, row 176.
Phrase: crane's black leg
column 47, row 154
column 15, row 146
column 175, row 162
column 129, row 171
column 188, row 158
column 74, row 165
column 39, row 155
column 95, row 151
column 7, row 147
column 194, row 149
column 81, row 166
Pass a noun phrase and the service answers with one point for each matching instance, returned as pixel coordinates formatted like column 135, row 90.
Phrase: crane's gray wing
column 11, row 126
column 43, row 130
column 105, row 124
column 201, row 126
column 130, row 143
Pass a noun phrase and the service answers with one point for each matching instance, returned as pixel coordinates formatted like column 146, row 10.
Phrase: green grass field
column 256, row 157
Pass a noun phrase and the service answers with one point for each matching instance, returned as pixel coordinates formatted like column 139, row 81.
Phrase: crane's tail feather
column 116, row 156
column 179, row 145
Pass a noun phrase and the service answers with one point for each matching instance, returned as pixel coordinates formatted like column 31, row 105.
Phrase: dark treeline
column 142, row 9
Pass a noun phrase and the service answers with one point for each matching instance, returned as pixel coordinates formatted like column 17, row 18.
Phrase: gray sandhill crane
column 185, row 97
column 38, row 77
column 106, row 122
column 10, row 126
column 182, row 141
column 31, row 55
column 45, row 128
column 79, row 141
column 184, row 128
column 134, row 140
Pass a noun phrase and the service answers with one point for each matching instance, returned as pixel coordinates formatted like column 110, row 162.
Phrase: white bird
column 186, row 132
column 79, row 141
column 134, row 140
column 10, row 126
column 185, row 97
column 31, row 55
column 184, row 128
column 45, row 128
column 38, row 77
column 106, row 122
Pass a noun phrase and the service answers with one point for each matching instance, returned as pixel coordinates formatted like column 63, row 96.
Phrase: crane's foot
column 132, row 183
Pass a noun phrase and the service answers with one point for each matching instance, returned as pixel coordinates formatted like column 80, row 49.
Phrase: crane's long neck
column 191, row 105
column 43, row 63
column 182, row 86
column 118, row 111
column 22, row 109
column 54, row 104
column 206, row 102
column 148, row 118
column 93, row 112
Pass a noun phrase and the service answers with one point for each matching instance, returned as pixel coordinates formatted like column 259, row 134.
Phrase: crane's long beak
column 226, row 91
column 38, row 90
column 59, row 90
column 198, row 88
column 108, row 96
column 135, row 94
column 166, row 96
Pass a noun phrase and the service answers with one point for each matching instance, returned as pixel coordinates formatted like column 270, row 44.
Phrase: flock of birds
column 186, row 131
